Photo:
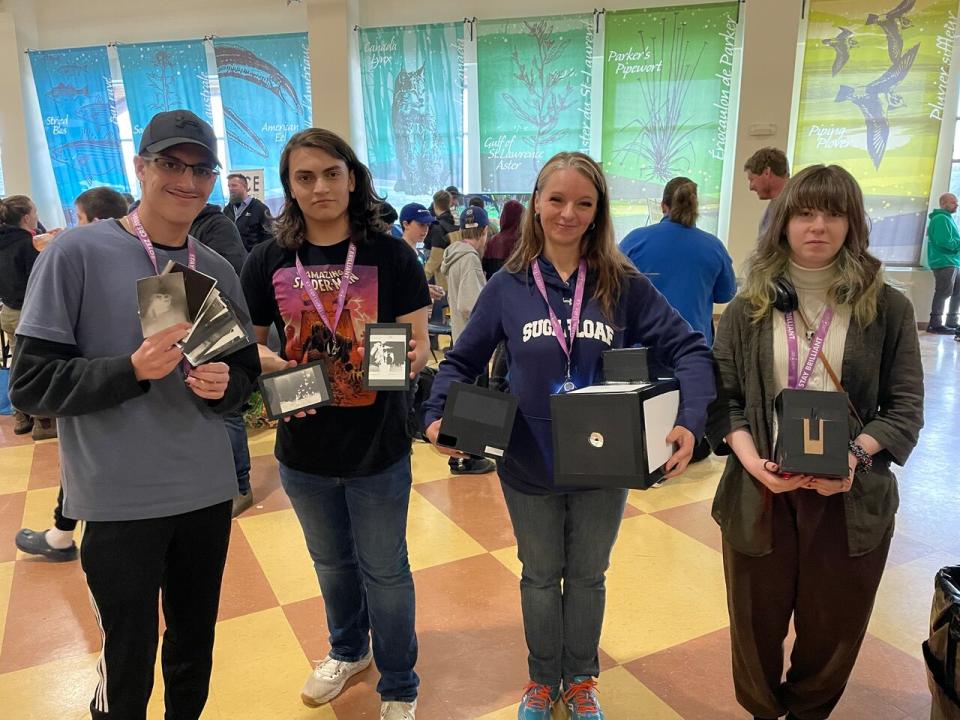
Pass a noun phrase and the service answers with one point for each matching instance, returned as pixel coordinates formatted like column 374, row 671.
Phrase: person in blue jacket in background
column 689, row 266
column 565, row 538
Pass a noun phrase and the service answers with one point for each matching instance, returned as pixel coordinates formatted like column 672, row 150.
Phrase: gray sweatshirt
column 465, row 280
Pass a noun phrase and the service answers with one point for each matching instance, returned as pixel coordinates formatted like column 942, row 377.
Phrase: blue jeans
column 237, row 433
column 356, row 532
column 568, row 538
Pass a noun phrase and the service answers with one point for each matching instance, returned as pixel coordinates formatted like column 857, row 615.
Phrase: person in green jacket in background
column 943, row 257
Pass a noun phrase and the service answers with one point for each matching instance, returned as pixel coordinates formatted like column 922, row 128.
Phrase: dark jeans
column 947, row 287
column 129, row 566
column 356, row 532
column 237, row 433
column 564, row 538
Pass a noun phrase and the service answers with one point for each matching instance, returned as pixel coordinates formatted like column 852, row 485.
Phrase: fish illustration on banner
column 75, row 93
column 872, row 99
column 265, row 89
column 240, row 63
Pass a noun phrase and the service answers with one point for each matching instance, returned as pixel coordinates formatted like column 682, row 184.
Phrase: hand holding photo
column 162, row 302
column 295, row 390
column 386, row 364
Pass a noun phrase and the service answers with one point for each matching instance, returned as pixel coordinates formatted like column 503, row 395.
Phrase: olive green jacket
column 883, row 376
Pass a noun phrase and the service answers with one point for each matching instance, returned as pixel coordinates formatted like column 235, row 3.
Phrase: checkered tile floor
column 664, row 648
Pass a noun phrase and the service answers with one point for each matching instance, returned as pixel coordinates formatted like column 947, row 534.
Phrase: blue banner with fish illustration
column 80, row 121
column 265, row 90
column 163, row 76
column 875, row 86
column 412, row 79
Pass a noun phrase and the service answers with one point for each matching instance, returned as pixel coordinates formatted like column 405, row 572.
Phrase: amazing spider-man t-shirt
column 363, row 431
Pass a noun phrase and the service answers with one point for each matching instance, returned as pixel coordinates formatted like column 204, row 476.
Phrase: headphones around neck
column 785, row 295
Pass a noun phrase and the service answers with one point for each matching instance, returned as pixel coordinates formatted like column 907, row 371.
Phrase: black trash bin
column 940, row 649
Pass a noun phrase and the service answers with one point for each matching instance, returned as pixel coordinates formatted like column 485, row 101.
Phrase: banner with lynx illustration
column 667, row 106
column 875, row 82
column 535, row 80
column 412, row 79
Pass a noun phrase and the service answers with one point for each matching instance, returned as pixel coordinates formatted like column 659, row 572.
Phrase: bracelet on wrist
column 864, row 459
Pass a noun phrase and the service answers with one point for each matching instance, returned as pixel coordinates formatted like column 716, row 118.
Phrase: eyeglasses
column 170, row 166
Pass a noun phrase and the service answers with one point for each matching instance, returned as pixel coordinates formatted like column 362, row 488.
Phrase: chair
column 438, row 324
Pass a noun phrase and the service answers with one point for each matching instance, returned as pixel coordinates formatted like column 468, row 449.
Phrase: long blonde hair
column 597, row 246
column 859, row 278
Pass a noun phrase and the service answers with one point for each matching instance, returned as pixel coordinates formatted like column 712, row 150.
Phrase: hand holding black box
column 477, row 420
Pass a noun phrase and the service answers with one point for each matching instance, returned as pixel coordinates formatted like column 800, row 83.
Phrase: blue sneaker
column 581, row 699
column 538, row 701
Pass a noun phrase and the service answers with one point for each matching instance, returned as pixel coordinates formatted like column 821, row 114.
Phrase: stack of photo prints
column 182, row 295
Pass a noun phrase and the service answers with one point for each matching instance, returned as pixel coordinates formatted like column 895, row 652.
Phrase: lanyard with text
column 816, row 345
column 574, row 315
column 341, row 297
column 148, row 246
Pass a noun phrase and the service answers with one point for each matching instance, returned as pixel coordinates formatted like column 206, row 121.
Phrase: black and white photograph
column 162, row 301
column 385, row 362
column 291, row 391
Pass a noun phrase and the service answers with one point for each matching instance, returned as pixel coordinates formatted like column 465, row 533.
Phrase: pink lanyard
column 816, row 345
column 148, row 246
column 574, row 315
column 341, row 297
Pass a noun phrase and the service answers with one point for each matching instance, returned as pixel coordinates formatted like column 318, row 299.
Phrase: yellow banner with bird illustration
column 874, row 82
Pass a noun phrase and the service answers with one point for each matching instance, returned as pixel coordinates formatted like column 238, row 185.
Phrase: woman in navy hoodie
column 567, row 249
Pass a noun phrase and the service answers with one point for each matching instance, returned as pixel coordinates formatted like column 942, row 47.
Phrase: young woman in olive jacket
column 812, row 548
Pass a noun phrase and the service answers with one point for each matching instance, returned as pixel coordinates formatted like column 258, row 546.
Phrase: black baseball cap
column 178, row 127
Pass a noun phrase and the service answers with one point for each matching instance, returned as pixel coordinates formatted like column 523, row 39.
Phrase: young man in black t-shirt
column 345, row 467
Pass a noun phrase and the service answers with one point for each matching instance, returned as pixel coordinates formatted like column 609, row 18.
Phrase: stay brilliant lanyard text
column 793, row 350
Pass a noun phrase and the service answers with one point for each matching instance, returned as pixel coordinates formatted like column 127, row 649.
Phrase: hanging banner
column 535, row 79
column 265, row 90
column 163, row 76
column 875, row 80
column 80, row 121
column 412, row 79
column 667, row 85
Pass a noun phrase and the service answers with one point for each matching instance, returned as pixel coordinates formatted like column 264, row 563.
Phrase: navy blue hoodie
column 511, row 309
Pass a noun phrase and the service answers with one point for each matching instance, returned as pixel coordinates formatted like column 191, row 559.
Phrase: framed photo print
column 290, row 391
column 385, row 362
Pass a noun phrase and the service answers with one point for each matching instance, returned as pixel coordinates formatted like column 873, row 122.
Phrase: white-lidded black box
column 477, row 420
column 813, row 433
column 613, row 436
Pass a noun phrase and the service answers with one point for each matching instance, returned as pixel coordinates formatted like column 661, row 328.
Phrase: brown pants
column 830, row 595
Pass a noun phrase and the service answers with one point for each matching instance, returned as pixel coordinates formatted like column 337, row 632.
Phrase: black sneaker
column 473, row 466
column 939, row 330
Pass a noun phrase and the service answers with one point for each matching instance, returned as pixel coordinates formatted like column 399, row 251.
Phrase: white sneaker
column 396, row 710
column 328, row 678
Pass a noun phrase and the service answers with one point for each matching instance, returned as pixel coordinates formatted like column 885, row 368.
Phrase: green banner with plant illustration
column 667, row 86
column 875, row 78
column 534, row 77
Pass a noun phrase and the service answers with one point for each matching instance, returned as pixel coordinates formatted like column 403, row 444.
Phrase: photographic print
column 385, row 362
column 291, row 391
column 162, row 302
